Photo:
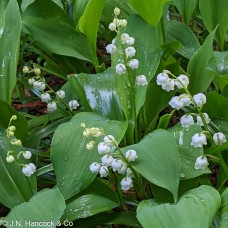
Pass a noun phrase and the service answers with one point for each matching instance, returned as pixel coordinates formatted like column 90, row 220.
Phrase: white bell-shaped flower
column 95, row 167
column 120, row 69
column 200, row 121
column 45, row 97
column 117, row 164
column 110, row 140
column 201, row 162
column 186, row 121
column 124, row 38
column 141, row 80
column 111, row 48
column 107, row 160
column 112, row 26
column 73, row 104
column 198, row 140
column 169, row 85
column 219, row 138
column 131, row 155
column 162, row 78
column 133, row 63
column 130, row 41
column 103, row 148
column 29, row 169
column 130, row 52
column 52, row 106
column 123, row 169
column 200, row 99
column 176, row 103
column 103, row 171
column 61, row 94
column 181, row 81
column 27, row 154
column 126, row 183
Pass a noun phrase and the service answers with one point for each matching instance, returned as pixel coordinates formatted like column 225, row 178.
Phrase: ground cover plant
column 113, row 113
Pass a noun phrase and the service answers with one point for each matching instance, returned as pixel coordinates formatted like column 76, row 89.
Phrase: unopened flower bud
column 27, row 154
column 116, row 11
column 25, row 69
column 10, row 158
column 37, row 71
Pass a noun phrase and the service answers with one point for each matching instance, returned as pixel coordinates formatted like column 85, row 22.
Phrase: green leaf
column 78, row 9
column 89, row 24
column 157, row 164
column 196, row 208
column 186, row 8
column 216, row 106
column 219, row 65
column 127, row 218
column 45, row 207
column 25, row 4
column 224, row 210
column 98, row 197
column 150, row 11
column 188, row 153
column 21, row 123
column 100, row 94
column 15, row 187
column 215, row 13
column 51, row 28
column 181, row 32
column 9, row 43
column 71, row 159
column 200, row 77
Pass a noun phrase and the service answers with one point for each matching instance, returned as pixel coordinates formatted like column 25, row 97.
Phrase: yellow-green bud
column 25, row 69
column 116, row 11
column 37, row 71
column 10, row 158
column 10, row 133
column 14, row 117
column 12, row 128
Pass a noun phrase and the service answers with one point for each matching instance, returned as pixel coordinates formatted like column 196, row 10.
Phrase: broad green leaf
column 196, row 208
column 159, row 165
column 15, row 187
column 186, row 8
column 219, row 65
column 71, row 159
column 100, row 94
column 188, row 153
column 150, row 11
column 98, row 197
column 200, row 77
column 181, row 32
column 21, row 123
column 89, row 24
column 25, row 4
column 215, row 13
column 127, row 218
column 216, row 106
column 2, row 17
column 9, row 43
column 45, row 207
column 50, row 27
column 224, row 210
column 78, row 9
column 153, row 106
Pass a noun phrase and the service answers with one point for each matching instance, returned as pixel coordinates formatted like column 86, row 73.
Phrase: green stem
column 223, row 163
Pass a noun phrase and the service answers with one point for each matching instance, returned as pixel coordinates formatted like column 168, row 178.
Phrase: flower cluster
column 27, row 169
column 127, row 43
column 38, row 82
column 168, row 81
column 112, row 158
